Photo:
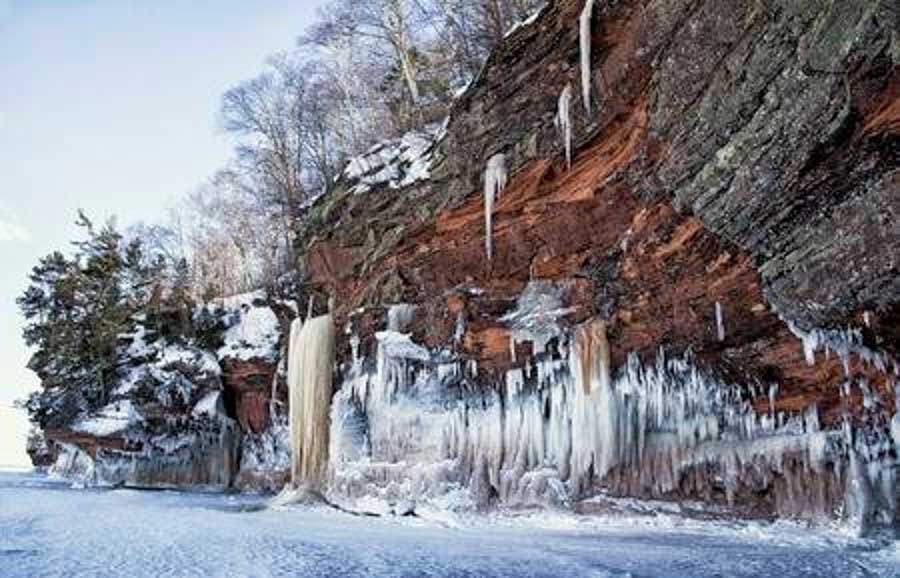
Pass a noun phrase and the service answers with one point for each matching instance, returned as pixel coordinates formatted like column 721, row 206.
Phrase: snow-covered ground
column 47, row 529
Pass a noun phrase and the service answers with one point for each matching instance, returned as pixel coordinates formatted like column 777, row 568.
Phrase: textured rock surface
column 722, row 165
column 743, row 154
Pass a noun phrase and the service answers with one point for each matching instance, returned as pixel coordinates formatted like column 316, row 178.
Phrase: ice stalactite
column 400, row 316
column 310, row 367
column 584, row 25
column 895, row 423
column 564, row 121
column 720, row 322
column 844, row 343
column 494, row 183
column 74, row 463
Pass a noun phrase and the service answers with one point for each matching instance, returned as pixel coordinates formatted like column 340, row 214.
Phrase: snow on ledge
column 396, row 163
column 211, row 404
column 255, row 334
column 112, row 419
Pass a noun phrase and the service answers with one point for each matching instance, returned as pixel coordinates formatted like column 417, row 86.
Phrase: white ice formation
column 310, row 366
column 564, row 121
column 417, row 425
column 494, row 183
column 584, row 34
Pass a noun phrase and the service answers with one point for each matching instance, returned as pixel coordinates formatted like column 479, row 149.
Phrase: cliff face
column 187, row 411
column 733, row 199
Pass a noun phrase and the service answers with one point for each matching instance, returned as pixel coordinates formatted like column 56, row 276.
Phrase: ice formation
column 413, row 425
column 494, row 183
column 720, row 322
column 584, row 29
column 75, row 464
column 266, row 456
column 844, row 343
column 310, row 365
column 564, row 121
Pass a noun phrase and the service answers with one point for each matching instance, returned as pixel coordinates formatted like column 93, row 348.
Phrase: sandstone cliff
column 731, row 210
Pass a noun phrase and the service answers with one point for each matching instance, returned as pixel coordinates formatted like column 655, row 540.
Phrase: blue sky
column 110, row 106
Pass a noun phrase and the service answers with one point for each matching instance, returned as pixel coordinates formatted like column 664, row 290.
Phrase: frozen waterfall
column 311, row 360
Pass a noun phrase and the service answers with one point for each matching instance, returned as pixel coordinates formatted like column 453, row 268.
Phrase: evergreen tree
column 75, row 309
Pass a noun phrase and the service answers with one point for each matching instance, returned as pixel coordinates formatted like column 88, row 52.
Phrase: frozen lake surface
column 48, row 529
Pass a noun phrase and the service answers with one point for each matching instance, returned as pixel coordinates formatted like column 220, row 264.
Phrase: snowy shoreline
column 126, row 532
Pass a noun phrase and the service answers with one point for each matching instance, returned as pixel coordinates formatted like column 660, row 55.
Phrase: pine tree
column 76, row 309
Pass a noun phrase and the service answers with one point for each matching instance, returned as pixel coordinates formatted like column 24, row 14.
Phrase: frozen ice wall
column 415, row 425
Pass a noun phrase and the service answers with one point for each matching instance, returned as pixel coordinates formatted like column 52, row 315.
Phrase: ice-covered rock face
column 266, row 458
column 419, row 425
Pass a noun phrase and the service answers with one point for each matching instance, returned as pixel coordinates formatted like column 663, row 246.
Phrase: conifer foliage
column 76, row 308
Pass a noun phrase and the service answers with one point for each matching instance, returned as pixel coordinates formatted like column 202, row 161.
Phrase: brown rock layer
column 742, row 156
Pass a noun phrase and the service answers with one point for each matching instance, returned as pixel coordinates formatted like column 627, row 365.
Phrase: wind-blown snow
column 49, row 531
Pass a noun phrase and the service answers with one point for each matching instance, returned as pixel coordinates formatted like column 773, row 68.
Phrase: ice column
column 310, row 364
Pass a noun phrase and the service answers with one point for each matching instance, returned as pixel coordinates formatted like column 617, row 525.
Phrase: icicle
column 895, row 422
column 564, row 121
column 867, row 319
column 310, row 366
column 309, row 308
column 494, row 183
column 400, row 316
column 858, row 496
column 720, row 323
column 459, row 332
column 585, row 40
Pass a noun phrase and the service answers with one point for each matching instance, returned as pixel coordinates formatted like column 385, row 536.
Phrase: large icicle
column 720, row 322
column 494, row 182
column 585, row 38
column 310, row 365
column 564, row 121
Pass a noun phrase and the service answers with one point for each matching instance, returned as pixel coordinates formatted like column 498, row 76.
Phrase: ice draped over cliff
column 415, row 425
column 564, row 121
